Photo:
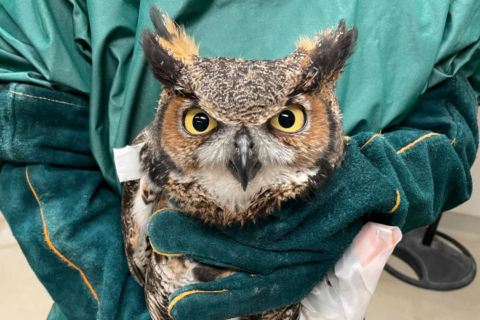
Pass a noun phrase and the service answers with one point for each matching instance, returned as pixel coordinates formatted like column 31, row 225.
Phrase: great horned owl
column 231, row 140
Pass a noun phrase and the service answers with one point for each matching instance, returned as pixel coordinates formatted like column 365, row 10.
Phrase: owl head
column 232, row 139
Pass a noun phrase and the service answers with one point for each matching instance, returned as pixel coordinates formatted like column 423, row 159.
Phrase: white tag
column 127, row 162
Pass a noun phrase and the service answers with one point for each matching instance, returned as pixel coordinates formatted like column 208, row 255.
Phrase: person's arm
column 60, row 209
column 435, row 149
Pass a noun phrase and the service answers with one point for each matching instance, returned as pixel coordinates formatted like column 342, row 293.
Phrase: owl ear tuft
column 326, row 55
column 168, row 48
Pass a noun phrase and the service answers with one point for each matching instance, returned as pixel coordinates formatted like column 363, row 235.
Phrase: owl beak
column 245, row 161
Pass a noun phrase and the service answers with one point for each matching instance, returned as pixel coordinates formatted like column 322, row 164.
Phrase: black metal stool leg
column 431, row 231
column 438, row 265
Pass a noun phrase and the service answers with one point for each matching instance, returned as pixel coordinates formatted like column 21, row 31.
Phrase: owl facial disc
column 233, row 139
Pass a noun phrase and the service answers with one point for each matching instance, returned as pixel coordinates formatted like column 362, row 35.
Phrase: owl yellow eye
column 196, row 121
column 290, row 119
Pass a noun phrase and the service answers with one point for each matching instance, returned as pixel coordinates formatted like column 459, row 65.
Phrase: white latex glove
column 346, row 291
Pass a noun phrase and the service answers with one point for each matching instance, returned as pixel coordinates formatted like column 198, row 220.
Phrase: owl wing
column 131, row 232
column 138, row 204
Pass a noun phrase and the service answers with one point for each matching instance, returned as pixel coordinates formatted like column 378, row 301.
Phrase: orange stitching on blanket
column 43, row 98
column 165, row 254
column 454, row 140
column 409, row 146
column 52, row 247
column 370, row 140
column 397, row 203
column 393, row 239
column 187, row 293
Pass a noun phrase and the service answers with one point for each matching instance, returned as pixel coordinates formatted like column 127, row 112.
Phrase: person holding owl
column 248, row 189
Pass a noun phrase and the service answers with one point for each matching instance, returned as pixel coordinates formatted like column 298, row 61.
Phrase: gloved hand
column 282, row 258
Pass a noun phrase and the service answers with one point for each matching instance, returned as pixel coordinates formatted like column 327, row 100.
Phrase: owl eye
column 196, row 121
column 291, row 119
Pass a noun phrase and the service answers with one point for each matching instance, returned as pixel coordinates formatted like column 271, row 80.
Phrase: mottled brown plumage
column 237, row 164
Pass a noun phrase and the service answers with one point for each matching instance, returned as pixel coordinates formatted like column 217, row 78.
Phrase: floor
column 22, row 297
column 396, row 300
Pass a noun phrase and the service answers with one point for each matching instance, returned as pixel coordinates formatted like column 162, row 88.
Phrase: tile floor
column 22, row 297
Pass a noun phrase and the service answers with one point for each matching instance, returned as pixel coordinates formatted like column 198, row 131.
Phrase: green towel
column 405, row 177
